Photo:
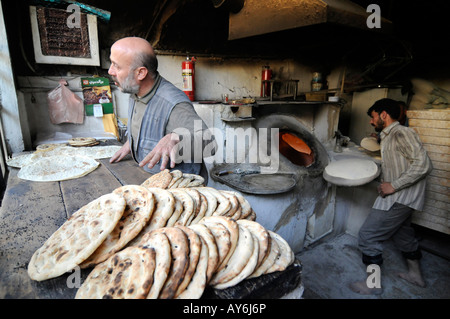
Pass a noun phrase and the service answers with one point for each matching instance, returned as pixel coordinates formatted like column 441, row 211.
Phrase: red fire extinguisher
column 265, row 84
column 188, row 73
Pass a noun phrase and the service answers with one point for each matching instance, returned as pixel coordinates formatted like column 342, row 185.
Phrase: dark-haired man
column 404, row 166
column 158, row 111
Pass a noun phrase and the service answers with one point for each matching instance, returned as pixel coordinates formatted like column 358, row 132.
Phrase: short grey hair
column 147, row 60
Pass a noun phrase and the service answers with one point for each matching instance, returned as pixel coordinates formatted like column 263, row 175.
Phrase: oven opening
column 295, row 149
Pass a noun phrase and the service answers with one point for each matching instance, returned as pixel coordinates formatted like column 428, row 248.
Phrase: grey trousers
column 382, row 225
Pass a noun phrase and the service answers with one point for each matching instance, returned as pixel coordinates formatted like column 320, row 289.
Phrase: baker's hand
column 163, row 152
column 121, row 153
column 385, row 189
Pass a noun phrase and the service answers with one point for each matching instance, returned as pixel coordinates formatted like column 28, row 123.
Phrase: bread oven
column 280, row 171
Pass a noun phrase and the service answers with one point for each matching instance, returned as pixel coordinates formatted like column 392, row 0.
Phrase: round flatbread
column 179, row 246
column 234, row 205
column 202, row 211
column 246, row 208
column 248, row 268
column 83, row 141
column 261, row 234
column 223, row 204
column 176, row 175
column 269, row 261
column 165, row 203
column 127, row 274
column 233, row 229
column 77, row 238
column 195, row 246
column 222, row 240
column 197, row 284
column 285, row 257
column 139, row 208
column 188, row 205
column 210, row 241
column 237, row 261
column 210, row 199
column 57, row 168
column 163, row 259
column 159, row 180
column 371, row 144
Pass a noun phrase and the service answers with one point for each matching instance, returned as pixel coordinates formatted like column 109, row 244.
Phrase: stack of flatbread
column 58, row 162
column 83, row 141
column 150, row 242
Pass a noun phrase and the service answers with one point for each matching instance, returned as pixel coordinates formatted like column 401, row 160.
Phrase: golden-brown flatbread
column 233, row 229
column 140, row 205
column 262, row 235
column 128, row 274
column 197, row 284
column 77, row 238
column 160, row 243
column 238, row 260
column 195, row 246
column 210, row 241
column 248, row 268
column 176, row 175
column 179, row 246
column 159, row 180
column 188, row 205
column 285, row 257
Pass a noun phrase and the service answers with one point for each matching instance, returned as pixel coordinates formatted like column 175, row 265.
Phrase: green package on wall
column 97, row 91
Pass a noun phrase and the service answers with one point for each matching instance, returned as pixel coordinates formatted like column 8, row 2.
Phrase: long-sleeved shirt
column 405, row 164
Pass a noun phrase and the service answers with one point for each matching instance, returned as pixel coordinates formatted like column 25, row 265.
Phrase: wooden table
column 32, row 211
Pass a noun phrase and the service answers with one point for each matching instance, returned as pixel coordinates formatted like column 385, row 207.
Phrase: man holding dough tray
column 404, row 167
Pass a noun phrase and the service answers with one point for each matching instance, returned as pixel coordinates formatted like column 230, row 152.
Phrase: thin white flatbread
column 195, row 180
column 165, row 205
column 20, row 160
column 222, row 239
column 371, row 144
column 77, row 238
column 57, row 168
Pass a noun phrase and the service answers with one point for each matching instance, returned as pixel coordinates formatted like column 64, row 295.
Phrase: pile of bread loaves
column 155, row 241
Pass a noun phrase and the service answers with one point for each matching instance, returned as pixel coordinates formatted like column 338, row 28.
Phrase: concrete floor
column 329, row 267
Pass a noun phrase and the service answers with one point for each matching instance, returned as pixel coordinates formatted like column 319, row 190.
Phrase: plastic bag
column 64, row 106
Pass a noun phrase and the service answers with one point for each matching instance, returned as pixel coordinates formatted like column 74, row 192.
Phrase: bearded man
column 404, row 166
column 159, row 115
